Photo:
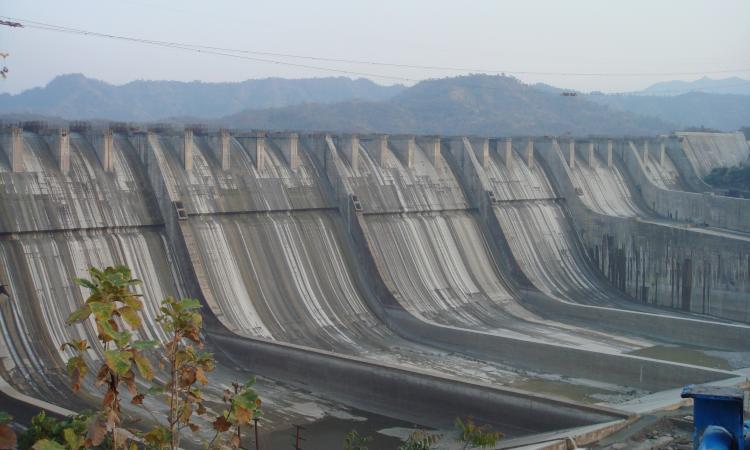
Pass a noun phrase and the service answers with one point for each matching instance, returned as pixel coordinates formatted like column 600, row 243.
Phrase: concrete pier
column 258, row 150
column 431, row 146
column 572, row 154
column 187, row 149
column 225, row 155
column 508, row 152
column 62, row 149
column 610, row 151
column 289, row 144
column 484, row 153
column 403, row 146
column 662, row 152
column 644, row 154
column 349, row 145
column 590, row 154
column 530, row 153
column 103, row 144
column 13, row 147
column 382, row 150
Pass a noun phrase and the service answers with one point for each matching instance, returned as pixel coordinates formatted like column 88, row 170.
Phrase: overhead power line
column 234, row 52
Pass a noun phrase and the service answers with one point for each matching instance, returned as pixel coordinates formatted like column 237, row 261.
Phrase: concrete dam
column 539, row 285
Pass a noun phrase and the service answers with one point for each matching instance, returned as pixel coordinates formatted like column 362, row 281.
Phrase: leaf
column 189, row 303
column 235, row 441
column 86, row 283
column 72, row 439
column 7, row 437
column 79, row 315
column 130, row 316
column 243, row 416
column 221, row 424
column 145, row 345
column 144, row 366
column 5, row 417
column 118, row 361
column 155, row 390
column 102, row 311
column 77, row 370
column 138, row 399
column 157, row 437
column 46, row 444
column 193, row 427
column 201, row 376
column 109, row 397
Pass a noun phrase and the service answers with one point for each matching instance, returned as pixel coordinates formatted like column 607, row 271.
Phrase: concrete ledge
column 414, row 395
column 626, row 370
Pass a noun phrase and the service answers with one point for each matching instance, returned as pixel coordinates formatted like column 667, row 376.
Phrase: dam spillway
column 347, row 264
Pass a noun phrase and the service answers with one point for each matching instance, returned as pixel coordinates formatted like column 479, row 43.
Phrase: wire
column 187, row 47
column 230, row 51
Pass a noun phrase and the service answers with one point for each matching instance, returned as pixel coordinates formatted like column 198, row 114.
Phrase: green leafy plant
column 116, row 312
column 354, row 441
column 115, row 309
column 472, row 435
column 243, row 407
column 7, row 435
column 420, row 440
column 48, row 432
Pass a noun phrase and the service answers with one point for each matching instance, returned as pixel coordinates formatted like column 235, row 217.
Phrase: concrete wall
column 638, row 323
column 660, row 264
column 411, row 395
column 401, row 392
column 700, row 209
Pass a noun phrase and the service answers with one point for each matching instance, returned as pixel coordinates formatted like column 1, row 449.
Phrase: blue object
column 718, row 417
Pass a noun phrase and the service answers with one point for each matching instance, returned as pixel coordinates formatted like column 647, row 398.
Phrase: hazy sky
column 534, row 36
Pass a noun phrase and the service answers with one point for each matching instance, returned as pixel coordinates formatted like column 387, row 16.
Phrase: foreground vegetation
column 184, row 368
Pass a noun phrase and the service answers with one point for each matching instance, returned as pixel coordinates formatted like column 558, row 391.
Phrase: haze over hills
column 732, row 85
column 475, row 104
column 75, row 96
column 725, row 112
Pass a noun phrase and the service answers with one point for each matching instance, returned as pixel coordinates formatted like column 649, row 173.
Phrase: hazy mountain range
column 75, row 96
column 475, row 104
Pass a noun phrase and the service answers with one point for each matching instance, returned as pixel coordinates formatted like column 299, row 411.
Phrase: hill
column 723, row 112
column 78, row 97
column 476, row 104
column 733, row 85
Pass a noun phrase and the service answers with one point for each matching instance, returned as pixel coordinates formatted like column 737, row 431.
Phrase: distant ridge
column 733, row 85
column 75, row 96
column 475, row 104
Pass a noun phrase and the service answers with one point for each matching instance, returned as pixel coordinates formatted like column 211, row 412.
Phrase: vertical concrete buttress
column 530, row 154
column 13, row 146
column 104, row 146
column 508, row 152
column 187, row 149
column 645, row 151
column 410, row 152
column 382, row 143
column 62, row 149
column 289, row 144
column 572, row 154
column 590, row 154
column 225, row 155
column 259, row 152
column 432, row 149
column 610, row 151
column 662, row 152
column 485, row 149
column 350, row 148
